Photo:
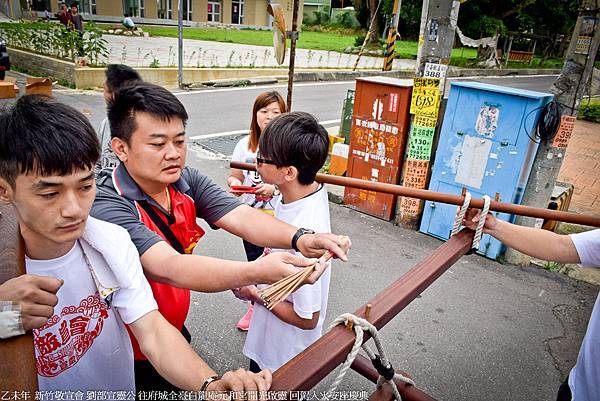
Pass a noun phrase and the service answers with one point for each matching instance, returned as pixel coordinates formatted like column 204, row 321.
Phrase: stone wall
column 43, row 65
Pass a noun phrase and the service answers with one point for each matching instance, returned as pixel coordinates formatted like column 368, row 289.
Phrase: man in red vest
column 157, row 199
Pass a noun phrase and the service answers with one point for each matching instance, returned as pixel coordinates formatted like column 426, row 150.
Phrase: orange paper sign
column 415, row 176
column 561, row 139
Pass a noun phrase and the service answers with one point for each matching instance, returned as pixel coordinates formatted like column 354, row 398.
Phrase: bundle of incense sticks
column 280, row 290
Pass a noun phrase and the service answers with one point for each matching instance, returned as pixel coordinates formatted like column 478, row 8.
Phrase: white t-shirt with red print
column 85, row 345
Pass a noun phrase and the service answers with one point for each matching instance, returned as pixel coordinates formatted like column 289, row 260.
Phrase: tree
column 365, row 12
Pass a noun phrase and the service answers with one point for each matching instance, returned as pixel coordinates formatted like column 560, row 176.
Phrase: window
column 165, row 9
column 214, row 11
column 187, row 9
column 237, row 11
column 134, row 8
column 87, row 6
column 40, row 5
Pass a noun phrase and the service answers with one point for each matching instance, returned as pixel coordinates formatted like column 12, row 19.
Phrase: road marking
column 262, row 87
column 219, row 134
column 244, row 131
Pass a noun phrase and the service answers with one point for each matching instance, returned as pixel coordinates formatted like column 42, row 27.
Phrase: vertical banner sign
column 421, row 140
column 438, row 71
column 415, row 176
column 425, row 104
column 561, row 139
column 425, row 99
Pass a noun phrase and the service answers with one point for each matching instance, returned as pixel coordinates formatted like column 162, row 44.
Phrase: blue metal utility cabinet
column 485, row 146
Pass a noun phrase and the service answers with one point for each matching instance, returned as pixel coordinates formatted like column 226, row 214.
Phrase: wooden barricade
column 17, row 366
column 520, row 57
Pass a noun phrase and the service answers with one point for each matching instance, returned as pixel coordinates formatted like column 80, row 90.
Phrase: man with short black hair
column 117, row 76
column 157, row 199
column 47, row 151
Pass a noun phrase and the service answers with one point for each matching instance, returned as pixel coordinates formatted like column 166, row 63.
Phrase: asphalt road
column 227, row 110
column 483, row 331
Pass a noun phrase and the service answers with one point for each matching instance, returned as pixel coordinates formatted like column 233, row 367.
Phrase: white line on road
column 244, row 131
column 219, row 134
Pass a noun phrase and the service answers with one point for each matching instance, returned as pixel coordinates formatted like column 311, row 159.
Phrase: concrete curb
column 325, row 75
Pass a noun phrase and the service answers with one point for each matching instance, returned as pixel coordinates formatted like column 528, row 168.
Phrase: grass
column 331, row 41
column 328, row 41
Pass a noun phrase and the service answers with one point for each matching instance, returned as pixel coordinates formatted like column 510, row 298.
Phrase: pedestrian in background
column 267, row 106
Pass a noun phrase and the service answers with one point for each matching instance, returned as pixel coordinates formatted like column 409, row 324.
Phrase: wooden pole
column 433, row 196
column 17, row 365
column 294, row 38
column 309, row 367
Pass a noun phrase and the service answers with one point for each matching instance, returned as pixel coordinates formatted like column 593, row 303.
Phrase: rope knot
column 386, row 371
column 380, row 362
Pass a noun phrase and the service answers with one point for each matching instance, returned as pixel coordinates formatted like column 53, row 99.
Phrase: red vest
column 173, row 302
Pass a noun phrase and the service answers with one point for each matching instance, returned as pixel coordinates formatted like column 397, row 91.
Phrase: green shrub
column 347, row 19
column 590, row 111
column 359, row 40
column 55, row 40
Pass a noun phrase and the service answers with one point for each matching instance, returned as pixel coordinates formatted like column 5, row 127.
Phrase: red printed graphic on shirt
column 65, row 339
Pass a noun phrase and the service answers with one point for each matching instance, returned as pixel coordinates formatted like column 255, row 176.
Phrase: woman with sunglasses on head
column 267, row 106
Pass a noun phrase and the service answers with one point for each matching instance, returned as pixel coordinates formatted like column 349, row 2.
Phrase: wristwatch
column 208, row 381
column 299, row 233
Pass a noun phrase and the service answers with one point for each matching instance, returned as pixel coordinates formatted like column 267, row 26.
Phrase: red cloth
column 173, row 302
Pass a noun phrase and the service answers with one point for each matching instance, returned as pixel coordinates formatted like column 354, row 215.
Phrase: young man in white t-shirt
column 293, row 148
column 84, row 281
column 583, row 382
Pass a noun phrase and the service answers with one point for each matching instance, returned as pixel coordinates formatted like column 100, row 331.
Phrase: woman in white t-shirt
column 267, row 106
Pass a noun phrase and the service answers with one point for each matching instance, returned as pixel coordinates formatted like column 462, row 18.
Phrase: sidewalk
column 141, row 52
column 581, row 168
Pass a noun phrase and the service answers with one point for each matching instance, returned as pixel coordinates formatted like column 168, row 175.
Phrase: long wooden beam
column 17, row 359
column 309, row 367
column 424, row 194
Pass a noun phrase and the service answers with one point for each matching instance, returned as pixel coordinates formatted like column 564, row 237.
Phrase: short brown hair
column 262, row 100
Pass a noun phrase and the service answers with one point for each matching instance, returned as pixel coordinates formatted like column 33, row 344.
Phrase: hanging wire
column 548, row 122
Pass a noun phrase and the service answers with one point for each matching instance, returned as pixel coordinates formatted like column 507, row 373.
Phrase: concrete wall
column 42, row 65
column 94, row 77
column 150, row 9
column 110, row 7
column 11, row 8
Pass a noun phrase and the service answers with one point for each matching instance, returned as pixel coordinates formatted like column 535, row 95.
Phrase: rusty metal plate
column 377, row 142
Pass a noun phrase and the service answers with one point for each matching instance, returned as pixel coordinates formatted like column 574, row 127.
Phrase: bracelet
column 208, row 381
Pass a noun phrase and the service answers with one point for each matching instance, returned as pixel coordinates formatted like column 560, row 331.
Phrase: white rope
column 479, row 230
column 360, row 325
column 460, row 214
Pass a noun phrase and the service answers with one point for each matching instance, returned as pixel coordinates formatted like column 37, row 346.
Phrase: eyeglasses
column 260, row 160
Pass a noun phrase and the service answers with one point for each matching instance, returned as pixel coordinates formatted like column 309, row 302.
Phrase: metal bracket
column 293, row 35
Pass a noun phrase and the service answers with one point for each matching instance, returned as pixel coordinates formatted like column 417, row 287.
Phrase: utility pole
column 424, row 9
column 437, row 42
column 180, row 45
column 568, row 89
column 293, row 35
column 390, row 49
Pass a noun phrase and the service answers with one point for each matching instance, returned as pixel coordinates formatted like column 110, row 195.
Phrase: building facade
column 235, row 12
